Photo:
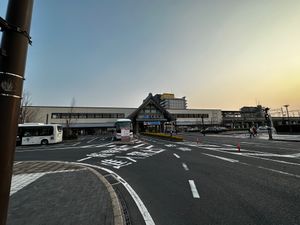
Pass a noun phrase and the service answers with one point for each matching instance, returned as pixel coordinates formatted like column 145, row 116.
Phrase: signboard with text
column 125, row 135
column 151, row 123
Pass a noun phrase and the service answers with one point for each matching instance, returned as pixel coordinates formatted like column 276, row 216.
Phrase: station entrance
column 150, row 116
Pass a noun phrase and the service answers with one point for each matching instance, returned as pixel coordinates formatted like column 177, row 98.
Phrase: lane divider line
column 194, row 189
column 222, row 158
column 177, row 156
column 185, row 167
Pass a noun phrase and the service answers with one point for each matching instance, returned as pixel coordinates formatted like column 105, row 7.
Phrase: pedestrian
column 254, row 131
column 251, row 132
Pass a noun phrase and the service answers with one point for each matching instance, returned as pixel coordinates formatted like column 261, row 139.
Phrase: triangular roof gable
column 150, row 100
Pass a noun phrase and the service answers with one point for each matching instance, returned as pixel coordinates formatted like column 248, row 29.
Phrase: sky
column 222, row 54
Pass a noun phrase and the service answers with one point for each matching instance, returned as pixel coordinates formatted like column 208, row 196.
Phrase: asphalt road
column 203, row 180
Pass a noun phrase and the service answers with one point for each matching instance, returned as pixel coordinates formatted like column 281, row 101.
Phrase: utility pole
column 13, row 52
column 288, row 117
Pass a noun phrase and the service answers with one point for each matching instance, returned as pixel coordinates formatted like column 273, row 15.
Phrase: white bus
column 123, row 129
column 39, row 133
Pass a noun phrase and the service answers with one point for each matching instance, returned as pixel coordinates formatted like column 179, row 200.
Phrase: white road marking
column 77, row 143
column 170, row 145
column 245, row 155
column 137, row 146
column 87, row 146
column 228, row 145
column 99, row 146
column 177, row 156
column 194, row 189
column 272, row 160
column 111, row 146
column 21, row 180
column 92, row 140
column 278, row 171
column 151, row 146
column 80, row 160
column 126, row 157
column 185, row 149
column 185, row 167
column 143, row 210
column 117, row 164
column 222, row 158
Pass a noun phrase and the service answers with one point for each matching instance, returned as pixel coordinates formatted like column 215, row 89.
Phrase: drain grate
column 124, row 207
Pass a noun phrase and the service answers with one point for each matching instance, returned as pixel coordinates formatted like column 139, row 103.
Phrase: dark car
column 213, row 130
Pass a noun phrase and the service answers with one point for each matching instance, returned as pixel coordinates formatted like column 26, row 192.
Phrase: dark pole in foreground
column 13, row 54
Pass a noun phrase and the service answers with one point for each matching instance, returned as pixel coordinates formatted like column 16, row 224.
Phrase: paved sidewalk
column 282, row 137
column 46, row 193
column 265, row 136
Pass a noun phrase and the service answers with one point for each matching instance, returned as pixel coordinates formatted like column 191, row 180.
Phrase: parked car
column 193, row 129
column 264, row 130
column 213, row 130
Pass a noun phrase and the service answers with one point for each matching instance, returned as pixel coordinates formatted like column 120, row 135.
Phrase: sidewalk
column 46, row 193
column 281, row 137
column 265, row 136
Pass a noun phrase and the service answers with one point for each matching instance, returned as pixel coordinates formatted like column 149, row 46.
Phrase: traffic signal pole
column 13, row 52
column 269, row 123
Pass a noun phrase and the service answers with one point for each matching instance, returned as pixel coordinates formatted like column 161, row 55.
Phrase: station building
column 152, row 115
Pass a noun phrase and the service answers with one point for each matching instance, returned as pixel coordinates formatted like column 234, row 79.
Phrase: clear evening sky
column 219, row 54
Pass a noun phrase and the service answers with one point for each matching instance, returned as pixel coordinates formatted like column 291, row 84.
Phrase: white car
column 264, row 129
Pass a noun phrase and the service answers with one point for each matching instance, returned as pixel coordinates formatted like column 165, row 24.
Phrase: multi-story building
column 150, row 115
column 168, row 101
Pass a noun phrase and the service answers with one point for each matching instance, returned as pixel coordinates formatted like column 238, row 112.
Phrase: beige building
column 150, row 115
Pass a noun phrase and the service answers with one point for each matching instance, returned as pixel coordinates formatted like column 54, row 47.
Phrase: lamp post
column 13, row 55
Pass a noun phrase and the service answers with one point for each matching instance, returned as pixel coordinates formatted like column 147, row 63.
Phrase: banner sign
column 152, row 123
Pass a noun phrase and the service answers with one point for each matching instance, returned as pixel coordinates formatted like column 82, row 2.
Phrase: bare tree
column 26, row 113
column 70, row 117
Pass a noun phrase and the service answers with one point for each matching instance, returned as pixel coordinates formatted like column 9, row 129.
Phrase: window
column 191, row 115
column 90, row 115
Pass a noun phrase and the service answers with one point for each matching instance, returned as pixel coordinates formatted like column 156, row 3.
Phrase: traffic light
column 267, row 117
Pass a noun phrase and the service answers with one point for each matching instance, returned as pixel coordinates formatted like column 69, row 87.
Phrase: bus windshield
column 123, row 125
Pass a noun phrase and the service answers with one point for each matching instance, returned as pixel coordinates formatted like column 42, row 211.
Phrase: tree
column 70, row 118
column 26, row 113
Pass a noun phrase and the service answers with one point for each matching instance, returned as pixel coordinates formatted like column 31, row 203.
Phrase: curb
column 117, row 209
column 286, row 140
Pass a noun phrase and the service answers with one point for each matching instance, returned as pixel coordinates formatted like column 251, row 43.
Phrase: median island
column 163, row 136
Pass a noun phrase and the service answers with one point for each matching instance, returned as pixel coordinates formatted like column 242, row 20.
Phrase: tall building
column 168, row 101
